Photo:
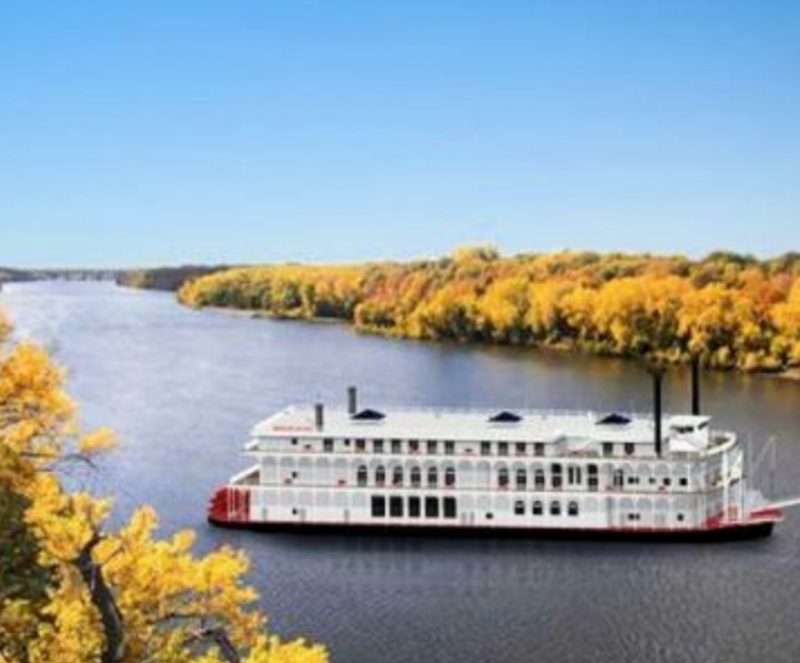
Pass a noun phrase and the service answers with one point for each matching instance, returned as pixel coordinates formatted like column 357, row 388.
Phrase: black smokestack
column 657, row 376
column 352, row 402
column 695, row 384
column 319, row 416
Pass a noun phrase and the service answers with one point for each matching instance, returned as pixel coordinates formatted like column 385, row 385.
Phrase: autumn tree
column 75, row 590
column 732, row 310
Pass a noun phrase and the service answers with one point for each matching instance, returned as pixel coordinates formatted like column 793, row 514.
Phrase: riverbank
column 733, row 311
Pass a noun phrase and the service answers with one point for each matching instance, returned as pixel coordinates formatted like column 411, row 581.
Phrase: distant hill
column 165, row 278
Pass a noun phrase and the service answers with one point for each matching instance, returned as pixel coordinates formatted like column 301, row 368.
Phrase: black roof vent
column 369, row 415
column 614, row 419
column 505, row 417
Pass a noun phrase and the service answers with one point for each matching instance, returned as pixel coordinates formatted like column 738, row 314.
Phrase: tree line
column 730, row 310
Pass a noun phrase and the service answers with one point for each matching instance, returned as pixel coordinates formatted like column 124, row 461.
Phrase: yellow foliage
column 164, row 595
column 732, row 310
column 100, row 440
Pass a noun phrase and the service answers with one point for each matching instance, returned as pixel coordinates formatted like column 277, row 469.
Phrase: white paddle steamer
column 553, row 472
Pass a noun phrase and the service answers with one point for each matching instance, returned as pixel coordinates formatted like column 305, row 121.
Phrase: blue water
column 182, row 388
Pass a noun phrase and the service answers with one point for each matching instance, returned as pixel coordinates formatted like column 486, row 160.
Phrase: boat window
column 573, row 475
column 592, row 476
column 416, row 477
column 608, row 448
column 380, row 475
column 619, row 478
column 684, row 481
column 556, row 478
column 502, row 477
column 397, row 476
column 572, row 509
column 486, row 448
column 327, row 445
column 433, row 477
column 629, row 448
column 377, row 446
column 520, row 448
column 555, row 508
column 431, row 507
column 397, row 446
column 413, row 446
column 703, row 426
column 361, row 444
column 538, row 479
column 450, row 477
column 449, row 504
column 449, row 448
column 519, row 508
column 396, row 507
column 538, row 508
column 522, row 478
column 413, row 507
column 378, row 506
column 538, row 449
column 502, row 448
column 431, row 447
column 361, row 475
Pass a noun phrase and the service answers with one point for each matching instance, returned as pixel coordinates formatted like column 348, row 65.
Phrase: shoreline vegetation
column 74, row 588
column 730, row 310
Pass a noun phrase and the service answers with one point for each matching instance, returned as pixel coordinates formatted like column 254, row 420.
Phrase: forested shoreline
column 165, row 278
column 730, row 310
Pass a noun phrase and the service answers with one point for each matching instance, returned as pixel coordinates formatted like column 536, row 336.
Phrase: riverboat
column 557, row 473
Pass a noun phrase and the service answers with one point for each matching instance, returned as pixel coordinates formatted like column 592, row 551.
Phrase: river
column 182, row 388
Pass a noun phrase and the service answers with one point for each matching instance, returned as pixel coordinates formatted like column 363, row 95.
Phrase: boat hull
column 728, row 532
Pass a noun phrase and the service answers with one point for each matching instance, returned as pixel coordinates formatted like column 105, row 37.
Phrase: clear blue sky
column 149, row 132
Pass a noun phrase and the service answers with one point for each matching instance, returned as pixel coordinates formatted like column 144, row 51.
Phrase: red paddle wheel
column 229, row 505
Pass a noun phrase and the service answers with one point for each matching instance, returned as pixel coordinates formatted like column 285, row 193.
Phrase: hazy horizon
column 410, row 258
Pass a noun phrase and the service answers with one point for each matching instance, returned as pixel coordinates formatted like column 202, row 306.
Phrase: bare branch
column 220, row 638
column 103, row 599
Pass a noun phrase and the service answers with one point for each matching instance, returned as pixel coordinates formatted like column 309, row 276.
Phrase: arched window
column 555, row 508
column 591, row 471
column 555, row 475
column 519, row 508
column 433, row 477
column 361, row 475
column 416, row 477
column 538, row 479
column 538, row 508
column 572, row 509
column 380, row 475
column 619, row 478
column 450, row 477
column 502, row 477
column 522, row 479
column 397, row 476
